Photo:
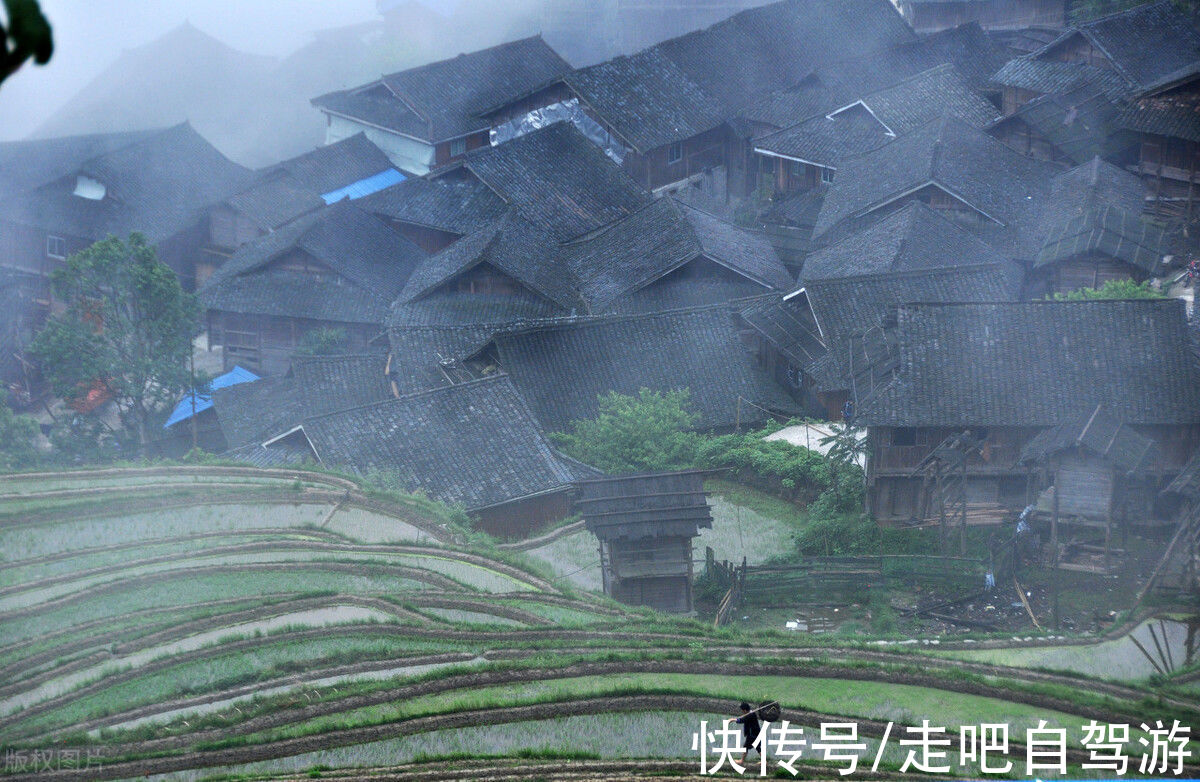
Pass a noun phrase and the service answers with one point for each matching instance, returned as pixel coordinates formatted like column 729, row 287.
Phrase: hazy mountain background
column 243, row 71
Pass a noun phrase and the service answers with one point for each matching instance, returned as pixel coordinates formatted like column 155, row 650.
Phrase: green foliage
column 634, row 434
column 832, row 533
column 324, row 341
column 17, row 449
column 28, row 37
column 126, row 329
column 1113, row 289
column 800, row 473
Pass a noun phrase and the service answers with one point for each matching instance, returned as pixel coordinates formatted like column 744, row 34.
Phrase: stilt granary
column 645, row 524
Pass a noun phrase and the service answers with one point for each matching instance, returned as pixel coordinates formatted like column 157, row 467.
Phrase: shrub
column 643, row 433
column 1113, row 289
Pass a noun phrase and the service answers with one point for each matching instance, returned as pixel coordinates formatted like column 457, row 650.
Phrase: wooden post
column 1054, row 526
column 962, row 528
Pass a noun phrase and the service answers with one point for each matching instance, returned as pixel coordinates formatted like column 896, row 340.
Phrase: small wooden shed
column 1093, row 470
column 645, row 524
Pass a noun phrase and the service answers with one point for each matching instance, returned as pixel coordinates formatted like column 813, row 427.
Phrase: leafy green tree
column 846, row 447
column 639, row 433
column 126, row 330
column 1113, row 289
column 17, row 433
column 324, row 341
column 27, row 36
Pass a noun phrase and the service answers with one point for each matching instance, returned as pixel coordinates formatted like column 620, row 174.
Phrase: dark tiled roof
column 658, row 239
column 853, row 305
column 1039, row 364
column 972, row 50
column 911, row 238
column 25, row 165
column 1077, row 123
column 447, row 205
column 1052, row 76
column 787, row 324
column 252, row 413
column 563, row 369
column 276, row 456
column 275, row 201
column 371, row 261
column 511, row 245
column 1107, row 231
column 475, row 444
column 827, row 141
column 961, row 160
column 336, row 165
column 1163, row 117
column 770, row 48
column 646, row 99
column 848, row 130
column 1151, row 45
column 1101, row 432
column 159, row 185
column 558, row 180
column 329, row 383
column 442, row 100
column 918, row 100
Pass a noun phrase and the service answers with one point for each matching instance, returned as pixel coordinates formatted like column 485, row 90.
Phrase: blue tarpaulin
column 364, row 187
column 184, row 409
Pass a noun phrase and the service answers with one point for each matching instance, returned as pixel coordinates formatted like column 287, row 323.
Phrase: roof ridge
column 394, row 400
column 856, row 279
column 601, row 320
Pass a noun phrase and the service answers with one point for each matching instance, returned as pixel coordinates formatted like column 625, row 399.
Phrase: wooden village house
column 428, row 116
column 927, row 16
column 970, row 386
column 645, row 525
column 338, row 268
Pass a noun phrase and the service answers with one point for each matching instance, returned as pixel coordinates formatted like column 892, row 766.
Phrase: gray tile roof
column 646, row 99
column 911, row 238
column 371, row 262
column 453, row 206
column 160, row 184
column 25, row 165
column 658, row 239
column 852, row 305
column 847, row 130
column 1163, row 117
column 1103, row 433
column 787, row 324
column 1053, row 76
column 511, row 245
column 275, row 201
column 558, row 180
column 562, row 369
column 975, row 53
column 329, row 383
column 475, row 444
column 961, row 160
column 1077, row 123
column 333, row 166
column 252, row 413
column 1107, row 231
column 1151, row 45
column 1039, row 364
column 770, row 48
column 442, row 100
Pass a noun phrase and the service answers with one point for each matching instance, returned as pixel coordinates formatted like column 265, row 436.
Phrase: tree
column 634, row 433
column 846, row 446
column 27, row 36
column 1113, row 289
column 16, row 438
column 126, row 331
column 324, row 341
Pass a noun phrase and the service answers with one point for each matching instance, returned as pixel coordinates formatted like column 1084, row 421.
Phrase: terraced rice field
column 198, row 622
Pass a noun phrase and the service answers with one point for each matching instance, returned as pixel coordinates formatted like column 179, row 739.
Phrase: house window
column 56, row 247
column 675, row 152
column 458, row 147
column 826, row 175
column 907, row 436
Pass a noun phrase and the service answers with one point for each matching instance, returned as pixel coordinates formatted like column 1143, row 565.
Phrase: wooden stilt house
column 1091, row 474
column 645, row 524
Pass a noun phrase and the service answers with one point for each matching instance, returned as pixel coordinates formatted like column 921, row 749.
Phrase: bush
column 17, row 449
column 1113, row 289
column 643, row 433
